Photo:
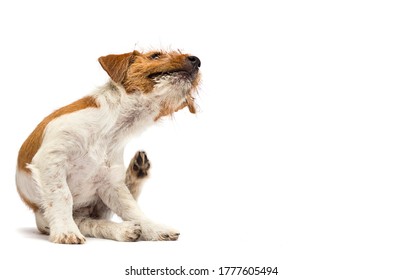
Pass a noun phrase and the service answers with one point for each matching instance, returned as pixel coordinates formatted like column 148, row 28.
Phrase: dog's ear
column 116, row 65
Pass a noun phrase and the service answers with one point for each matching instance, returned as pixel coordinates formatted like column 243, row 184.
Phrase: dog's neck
column 131, row 113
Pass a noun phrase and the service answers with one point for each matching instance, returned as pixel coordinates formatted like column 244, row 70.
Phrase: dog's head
column 173, row 76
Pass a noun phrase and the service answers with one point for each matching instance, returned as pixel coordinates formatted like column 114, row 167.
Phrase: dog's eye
column 155, row 55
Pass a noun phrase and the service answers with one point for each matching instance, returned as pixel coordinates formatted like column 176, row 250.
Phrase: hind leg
column 137, row 173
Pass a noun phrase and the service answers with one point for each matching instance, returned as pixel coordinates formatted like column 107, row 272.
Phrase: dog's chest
column 91, row 171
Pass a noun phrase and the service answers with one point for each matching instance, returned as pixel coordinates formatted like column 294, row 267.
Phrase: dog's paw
column 129, row 231
column 155, row 232
column 140, row 164
column 67, row 238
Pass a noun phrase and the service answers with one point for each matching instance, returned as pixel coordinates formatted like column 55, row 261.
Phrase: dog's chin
column 182, row 81
column 178, row 87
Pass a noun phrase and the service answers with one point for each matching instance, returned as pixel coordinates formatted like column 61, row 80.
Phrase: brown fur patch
column 34, row 140
column 116, row 65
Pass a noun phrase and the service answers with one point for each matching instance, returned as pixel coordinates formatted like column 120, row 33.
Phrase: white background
column 295, row 159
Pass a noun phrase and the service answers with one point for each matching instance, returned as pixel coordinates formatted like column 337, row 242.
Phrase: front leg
column 119, row 199
column 124, row 231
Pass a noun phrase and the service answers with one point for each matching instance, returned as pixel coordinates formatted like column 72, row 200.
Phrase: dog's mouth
column 181, row 73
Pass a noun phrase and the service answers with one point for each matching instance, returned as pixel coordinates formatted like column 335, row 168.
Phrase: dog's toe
column 130, row 231
column 155, row 232
column 67, row 238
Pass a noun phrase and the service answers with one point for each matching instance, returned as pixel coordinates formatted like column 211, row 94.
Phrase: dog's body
column 70, row 169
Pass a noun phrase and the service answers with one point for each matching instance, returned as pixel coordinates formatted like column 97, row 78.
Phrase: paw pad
column 140, row 164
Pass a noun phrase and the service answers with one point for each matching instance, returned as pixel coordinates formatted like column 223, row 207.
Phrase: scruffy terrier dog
column 70, row 170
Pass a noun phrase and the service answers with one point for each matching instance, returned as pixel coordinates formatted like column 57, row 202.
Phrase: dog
column 70, row 170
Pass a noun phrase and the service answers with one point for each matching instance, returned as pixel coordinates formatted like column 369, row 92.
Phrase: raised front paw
column 140, row 164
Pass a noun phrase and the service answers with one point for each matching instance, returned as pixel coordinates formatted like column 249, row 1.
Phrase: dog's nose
column 195, row 61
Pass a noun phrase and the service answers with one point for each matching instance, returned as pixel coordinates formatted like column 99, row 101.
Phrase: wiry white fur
column 79, row 166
